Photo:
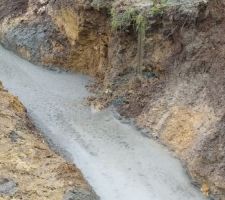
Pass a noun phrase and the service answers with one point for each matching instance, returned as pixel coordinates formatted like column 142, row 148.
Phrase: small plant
column 122, row 20
column 138, row 19
column 131, row 17
column 99, row 4
column 158, row 7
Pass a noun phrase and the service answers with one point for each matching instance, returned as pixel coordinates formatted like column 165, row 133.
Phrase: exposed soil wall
column 182, row 103
column 64, row 34
column 179, row 96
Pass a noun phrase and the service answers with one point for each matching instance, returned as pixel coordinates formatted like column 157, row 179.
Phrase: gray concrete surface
column 118, row 162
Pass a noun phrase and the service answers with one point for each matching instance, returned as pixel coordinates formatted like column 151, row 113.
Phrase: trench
column 117, row 161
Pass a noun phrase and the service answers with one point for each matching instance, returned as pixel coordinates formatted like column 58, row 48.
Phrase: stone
column 80, row 194
column 14, row 137
column 7, row 186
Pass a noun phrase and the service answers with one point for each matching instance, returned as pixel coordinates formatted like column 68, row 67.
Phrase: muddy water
column 118, row 162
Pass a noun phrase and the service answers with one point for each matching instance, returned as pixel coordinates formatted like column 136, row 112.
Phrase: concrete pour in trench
column 116, row 159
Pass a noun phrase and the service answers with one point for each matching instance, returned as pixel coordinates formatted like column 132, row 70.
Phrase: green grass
column 137, row 18
column 124, row 19
column 158, row 8
column 134, row 16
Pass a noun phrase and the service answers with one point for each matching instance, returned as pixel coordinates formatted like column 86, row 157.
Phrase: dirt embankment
column 55, row 33
column 29, row 169
column 179, row 96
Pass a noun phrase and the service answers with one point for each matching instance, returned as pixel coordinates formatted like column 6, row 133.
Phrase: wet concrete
column 116, row 159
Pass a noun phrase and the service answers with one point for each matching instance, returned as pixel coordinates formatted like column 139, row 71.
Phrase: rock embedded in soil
column 14, row 136
column 7, row 187
column 80, row 194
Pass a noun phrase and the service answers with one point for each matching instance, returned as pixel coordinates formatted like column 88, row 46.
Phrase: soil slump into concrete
column 117, row 161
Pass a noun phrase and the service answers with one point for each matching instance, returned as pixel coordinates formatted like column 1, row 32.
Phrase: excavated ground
column 29, row 169
column 179, row 97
